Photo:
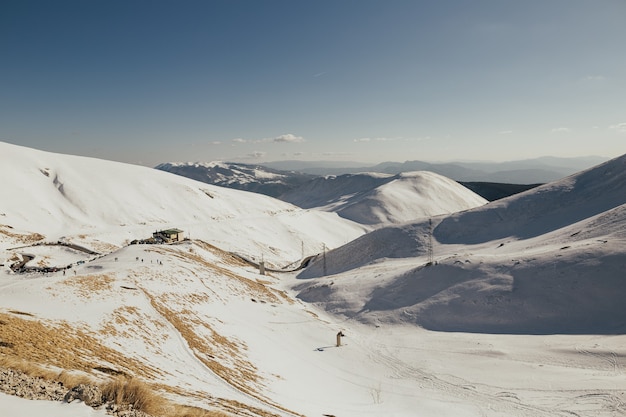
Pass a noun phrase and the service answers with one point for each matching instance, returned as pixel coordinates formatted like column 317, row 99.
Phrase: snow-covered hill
column 100, row 203
column 382, row 199
column 203, row 327
column 255, row 178
column 550, row 260
column 367, row 198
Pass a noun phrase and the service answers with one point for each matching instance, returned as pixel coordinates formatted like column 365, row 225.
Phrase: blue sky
column 370, row 81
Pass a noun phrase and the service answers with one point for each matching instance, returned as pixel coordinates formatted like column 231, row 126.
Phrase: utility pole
column 324, row 258
column 430, row 241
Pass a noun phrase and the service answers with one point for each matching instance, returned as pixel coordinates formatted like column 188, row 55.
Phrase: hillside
column 549, row 260
column 200, row 326
column 103, row 205
column 379, row 199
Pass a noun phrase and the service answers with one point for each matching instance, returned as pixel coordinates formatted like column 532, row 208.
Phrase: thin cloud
column 256, row 155
column 215, row 142
column 239, row 140
column 379, row 139
column 620, row 127
column 505, row 132
column 561, row 130
column 337, row 154
column 594, row 78
column 288, row 138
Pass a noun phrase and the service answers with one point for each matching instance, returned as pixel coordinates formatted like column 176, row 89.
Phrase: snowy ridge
column 380, row 199
column 545, row 261
column 543, row 209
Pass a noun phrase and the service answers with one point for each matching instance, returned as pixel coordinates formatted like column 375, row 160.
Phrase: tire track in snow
column 610, row 357
column 502, row 401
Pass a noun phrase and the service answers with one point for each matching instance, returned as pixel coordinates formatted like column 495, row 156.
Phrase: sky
column 157, row 81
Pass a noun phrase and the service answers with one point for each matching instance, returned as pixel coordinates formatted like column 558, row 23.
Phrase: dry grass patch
column 25, row 238
column 215, row 351
column 129, row 322
column 68, row 379
column 225, row 256
column 59, row 352
column 87, row 286
column 249, row 287
column 121, row 390
column 99, row 246
column 61, row 345
column 131, row 391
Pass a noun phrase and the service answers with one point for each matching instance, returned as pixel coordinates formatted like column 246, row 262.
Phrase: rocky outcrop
column 91, row 395
column 18, row 383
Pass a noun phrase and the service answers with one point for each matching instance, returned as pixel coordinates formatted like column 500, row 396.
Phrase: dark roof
column 170, row 231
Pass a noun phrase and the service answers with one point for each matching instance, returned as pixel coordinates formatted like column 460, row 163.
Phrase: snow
column 17, row 407
column 69, row 197
column 528, row 306
column 380, row 200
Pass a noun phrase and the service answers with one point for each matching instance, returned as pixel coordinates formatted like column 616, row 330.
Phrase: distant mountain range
column 372, row 199
column 528, row 171
column 491, row 181
column 247, row 177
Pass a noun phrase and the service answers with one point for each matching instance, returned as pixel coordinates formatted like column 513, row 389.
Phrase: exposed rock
column 17, row 383
column 91, row 395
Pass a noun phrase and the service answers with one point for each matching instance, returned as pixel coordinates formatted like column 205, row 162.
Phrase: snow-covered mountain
column 549, row 260
column 382, row 199
column 367, row 198
column 255, row 178
column 95, row 202
column 198, row 323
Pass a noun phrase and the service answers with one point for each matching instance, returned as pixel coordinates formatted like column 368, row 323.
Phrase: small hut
column 169, row 235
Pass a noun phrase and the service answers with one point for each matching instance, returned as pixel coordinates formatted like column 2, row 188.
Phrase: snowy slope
column 550, row 260
column 381, row 199
column 103, row 203
column 204, row 328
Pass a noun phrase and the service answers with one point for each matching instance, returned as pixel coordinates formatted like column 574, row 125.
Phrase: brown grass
column 215, row 352
column 62, row 354
column 250, row 287
column 87, row 286
column 21, row 237
column 121, row 390
column 60, row 345
column 131, row 391
column 68, row 379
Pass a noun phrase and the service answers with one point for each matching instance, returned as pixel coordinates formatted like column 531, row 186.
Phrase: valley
column 510, row 308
